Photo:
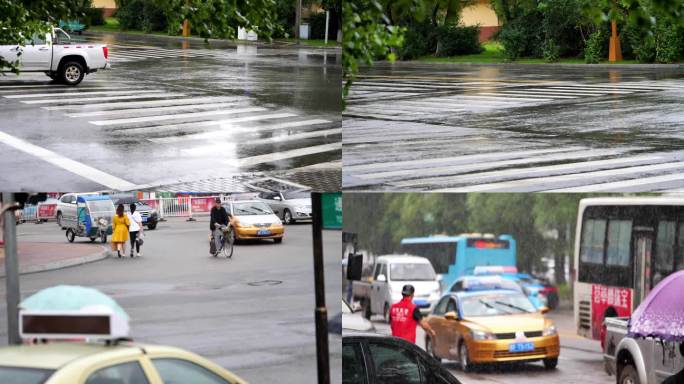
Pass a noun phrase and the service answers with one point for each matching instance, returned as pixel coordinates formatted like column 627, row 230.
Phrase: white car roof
column 403, row 259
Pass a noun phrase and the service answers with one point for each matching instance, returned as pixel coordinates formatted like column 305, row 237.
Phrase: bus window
column 619, row 238
column 593, row 240
column 441, row 255
column 664, row 251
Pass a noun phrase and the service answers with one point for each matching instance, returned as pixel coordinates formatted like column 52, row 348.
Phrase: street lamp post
column 11, row 268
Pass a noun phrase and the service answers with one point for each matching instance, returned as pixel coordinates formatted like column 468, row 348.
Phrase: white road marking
column 156, row 109
column 72, row 166
column 176, row 116
column 142, row 95
column 617, row 185
column 71, row 94
column 147, row 103
column 228, row 147
column 277, row 156
column 227, row 133
column 510, row 185
column 540, row 97
column 226, row 124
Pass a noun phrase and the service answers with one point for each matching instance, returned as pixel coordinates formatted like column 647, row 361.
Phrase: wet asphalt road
column 253, row 315
column 515, row 128
column 169, row 112
column 580, row 360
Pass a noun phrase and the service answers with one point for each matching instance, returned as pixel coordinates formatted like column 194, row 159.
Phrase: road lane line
column 616, row 186
column 277, row 156
column 463, row 159
column 520, row 173
column 510, row 186
column 67, row 94
column 72, row 166
column 226, row 123
column 176, row 116
column 518, row 94
column 145, row 95
column 147, row 103
column 171, row 108
column 227, row 133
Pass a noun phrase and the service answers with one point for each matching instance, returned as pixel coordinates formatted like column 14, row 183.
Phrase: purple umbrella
column 661, row 314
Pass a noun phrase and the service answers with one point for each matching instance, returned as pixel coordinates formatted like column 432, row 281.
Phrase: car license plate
column 263, row 232
column 521, row 347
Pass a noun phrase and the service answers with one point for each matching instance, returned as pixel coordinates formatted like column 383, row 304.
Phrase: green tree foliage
column 382, row 220
column 21, row 19
column 221, row 18
column 367, row 36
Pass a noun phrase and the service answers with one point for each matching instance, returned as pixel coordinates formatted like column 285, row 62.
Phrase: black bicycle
column 225, row 242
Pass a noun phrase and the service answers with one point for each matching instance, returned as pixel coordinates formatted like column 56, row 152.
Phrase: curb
column 51, row 266
column 539, row 65
column 227, row 43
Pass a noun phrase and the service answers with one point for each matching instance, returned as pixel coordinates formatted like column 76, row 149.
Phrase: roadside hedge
column 423, row 38
column 143, row 15
column 94, row 16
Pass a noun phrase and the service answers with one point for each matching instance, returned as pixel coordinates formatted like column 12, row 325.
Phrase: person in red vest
column 404, row 316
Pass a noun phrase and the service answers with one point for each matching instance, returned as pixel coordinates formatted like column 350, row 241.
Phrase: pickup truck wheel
column 551, row 363
column 71, row 73
column 628, row 375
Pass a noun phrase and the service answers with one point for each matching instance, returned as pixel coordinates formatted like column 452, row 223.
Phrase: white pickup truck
column 55, row 54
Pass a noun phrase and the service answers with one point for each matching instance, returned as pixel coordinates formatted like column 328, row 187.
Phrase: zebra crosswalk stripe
column 277, row 156
column 176, row 116
column 141, row 95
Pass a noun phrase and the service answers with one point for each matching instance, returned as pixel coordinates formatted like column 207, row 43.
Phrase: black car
column 379, row 359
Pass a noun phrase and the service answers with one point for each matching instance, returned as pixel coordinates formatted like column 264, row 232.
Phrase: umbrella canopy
column 661, row 314
column 126, row 200
column 70, row 297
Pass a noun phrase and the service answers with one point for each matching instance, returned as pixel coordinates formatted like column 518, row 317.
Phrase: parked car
column 377, row 359
column 150, row 216
column 391, row 272
column 55, row 54
column 66, row 208
column 290, row 206
column 489, row 326
column 353, row 322
column 253, row 219
column 531, row 287
column 550, row 291
column 90, row 363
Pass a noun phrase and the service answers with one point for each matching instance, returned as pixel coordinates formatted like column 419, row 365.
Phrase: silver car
column 290, row 206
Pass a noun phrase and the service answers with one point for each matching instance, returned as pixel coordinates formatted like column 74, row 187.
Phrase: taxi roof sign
column 94, row 323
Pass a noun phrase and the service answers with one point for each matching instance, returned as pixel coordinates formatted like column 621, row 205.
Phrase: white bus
column 623, row 247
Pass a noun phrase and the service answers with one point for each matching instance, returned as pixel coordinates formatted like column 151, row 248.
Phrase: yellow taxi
column 253, row 219
column 120, row 363
column 491, row 325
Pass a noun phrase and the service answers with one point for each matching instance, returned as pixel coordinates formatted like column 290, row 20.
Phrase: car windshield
column 297, row 195
column 142, row 206
column 251, row 208
column 496, row 304
column 412, row 272
column 16, row 375
column 100, row 206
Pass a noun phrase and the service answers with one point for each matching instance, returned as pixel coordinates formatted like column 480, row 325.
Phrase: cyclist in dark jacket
column 219, row 217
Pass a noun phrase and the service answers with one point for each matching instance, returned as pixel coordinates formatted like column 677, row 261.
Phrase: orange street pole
column 615, row 52
column 186, row 28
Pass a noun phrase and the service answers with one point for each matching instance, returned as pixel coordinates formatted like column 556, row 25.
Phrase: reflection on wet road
column 168, row 113
column 514, row 128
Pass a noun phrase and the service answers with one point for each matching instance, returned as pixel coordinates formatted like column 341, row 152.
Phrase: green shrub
column 94, row 16
column 143, row 15
column 644, row 49
column 596, row 48
column 550, row 51
column 420, row 39
column 458, row 40
column 522, row 37
column 668, row 45
column 317, row 25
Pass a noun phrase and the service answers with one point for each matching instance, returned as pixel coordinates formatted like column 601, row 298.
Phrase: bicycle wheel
column 228, row 245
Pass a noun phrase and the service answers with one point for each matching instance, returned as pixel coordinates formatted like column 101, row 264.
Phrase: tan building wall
column 481, row 14
column 108, row 6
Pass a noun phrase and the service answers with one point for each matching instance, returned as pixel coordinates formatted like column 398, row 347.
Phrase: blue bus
column 456, row 256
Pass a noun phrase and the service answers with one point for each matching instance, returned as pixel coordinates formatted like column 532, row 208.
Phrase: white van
column 392, row 272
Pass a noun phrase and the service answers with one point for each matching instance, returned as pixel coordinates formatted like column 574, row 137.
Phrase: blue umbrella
column 69, row 298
